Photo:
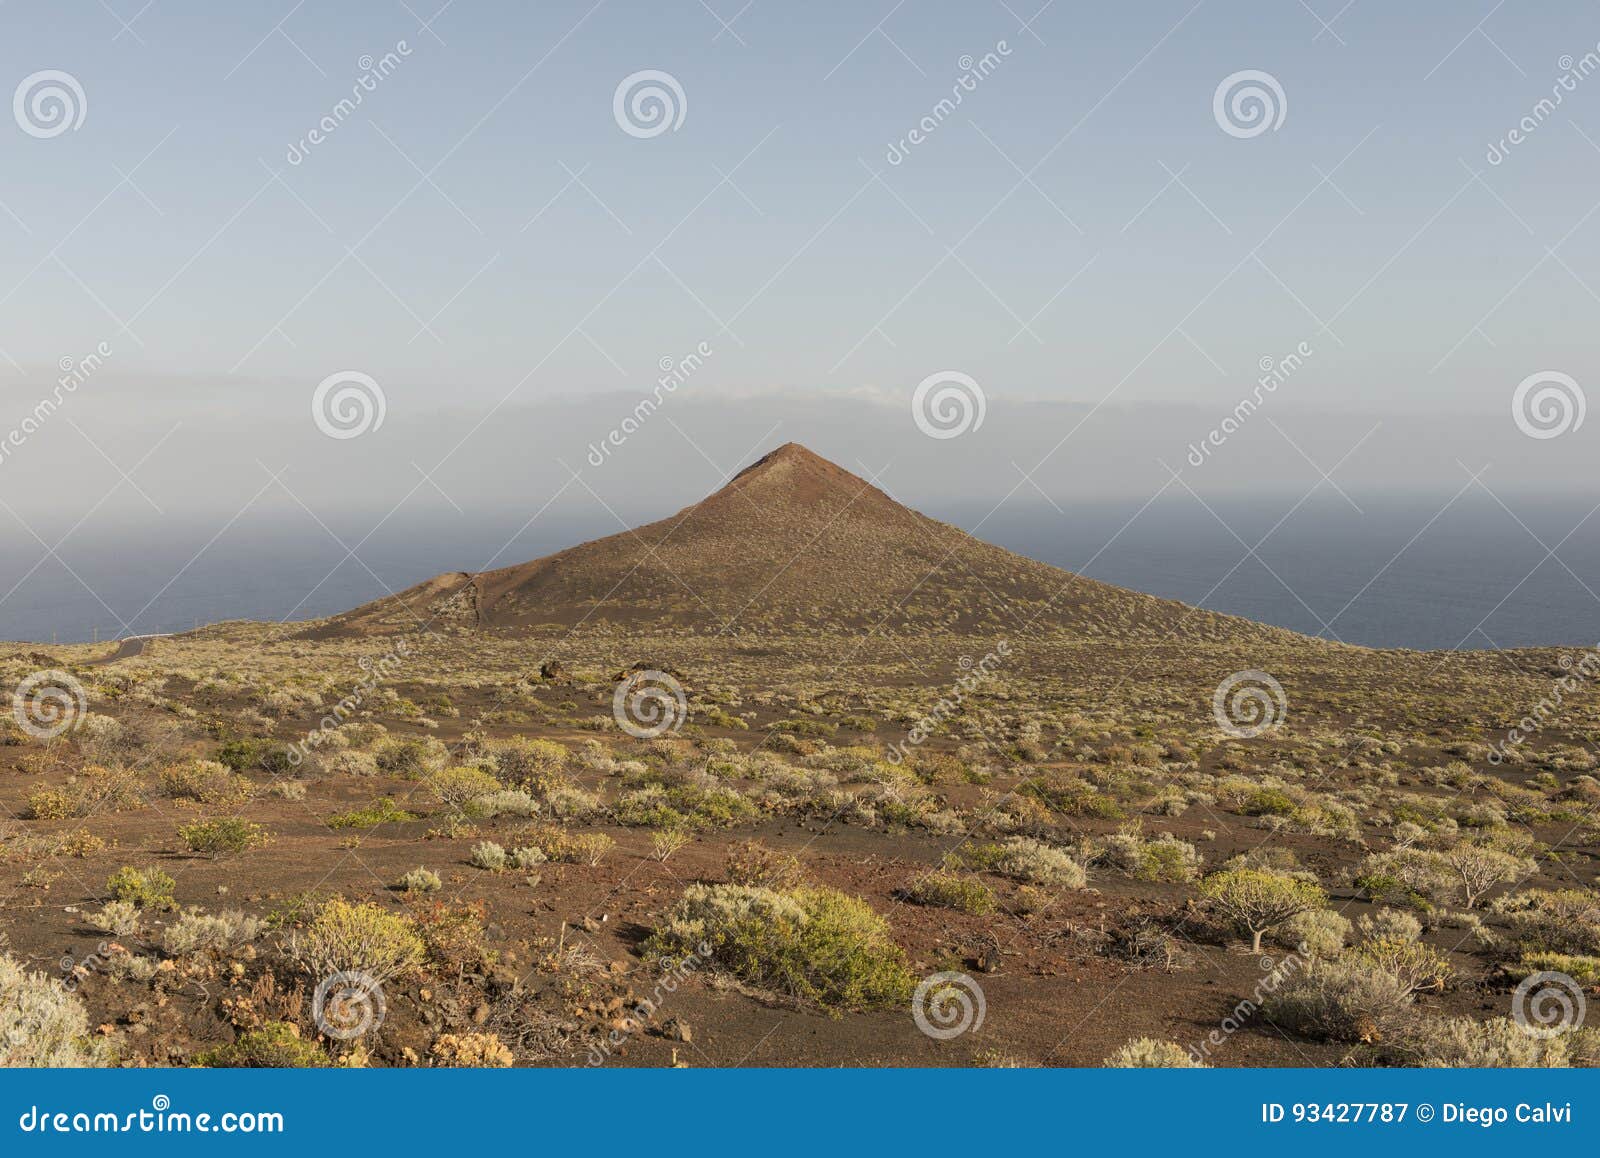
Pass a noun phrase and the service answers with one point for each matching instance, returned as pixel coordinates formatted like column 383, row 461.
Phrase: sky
column 1093, row 243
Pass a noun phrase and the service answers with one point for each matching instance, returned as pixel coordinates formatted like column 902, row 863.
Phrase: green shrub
column 1267, row 802
column 1419, row 967
column 1316, row 933
column 409, row 759
column 146, row 888
column 275, row 1045
column 455, row 787
column 814, row 944
column 1582, row 969
column 381, row 811
column 532, row 765
column 1257, row 900
column 227, row 836
column 951, row 891
column 248, row 755
column 363, row 937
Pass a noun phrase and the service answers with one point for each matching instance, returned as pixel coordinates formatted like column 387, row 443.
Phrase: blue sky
column 504, row 271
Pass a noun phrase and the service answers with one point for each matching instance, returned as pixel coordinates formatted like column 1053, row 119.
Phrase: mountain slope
column 791, row 541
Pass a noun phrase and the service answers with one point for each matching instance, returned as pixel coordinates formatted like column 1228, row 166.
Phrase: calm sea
column 1397, row 573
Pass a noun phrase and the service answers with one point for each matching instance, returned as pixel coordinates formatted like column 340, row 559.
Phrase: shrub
column 381, row 811
column 1025, row 859
column 1462, row 1042
column 1338, row 1001
column 421, row 880
column 504, row 802
column 666, row 842
column 1151, row 1053
column 361, row 937
column 1555, row 920
column 1316, row 932
column 533, row 765
column 119, row 918
column 1389, row 925
column 814, row 944
column 1163, row 859
column 1583, row 970
column 1408, row 876
column 475, row 1050
column 1478, row 869
column 527, row 857
column 246, row 755
column 455, row 787
column 488, row 855
column 42, row 1023
column 228, row 836
column 195, row 932
column 1417, row 966
column 94, row 789
column 206, row 781
column 409, row 759
column 145, row 888
column 275, row 1045
column 1257, row 900
column 564, row 847
column 753, row 863
column 453, row 935
column 951, row 891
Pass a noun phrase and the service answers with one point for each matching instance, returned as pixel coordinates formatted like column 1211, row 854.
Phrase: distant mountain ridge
column 792, row 541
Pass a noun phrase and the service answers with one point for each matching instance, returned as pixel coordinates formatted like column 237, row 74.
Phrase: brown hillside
column 791, row 541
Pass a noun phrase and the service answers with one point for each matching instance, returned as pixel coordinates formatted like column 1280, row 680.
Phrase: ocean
column 1400, row 572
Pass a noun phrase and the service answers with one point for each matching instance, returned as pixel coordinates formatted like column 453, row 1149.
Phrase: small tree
column 1258, row 901
column 1479, row 869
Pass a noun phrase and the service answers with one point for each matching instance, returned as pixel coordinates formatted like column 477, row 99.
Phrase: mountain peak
column 792, row 540
column 795, row 475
